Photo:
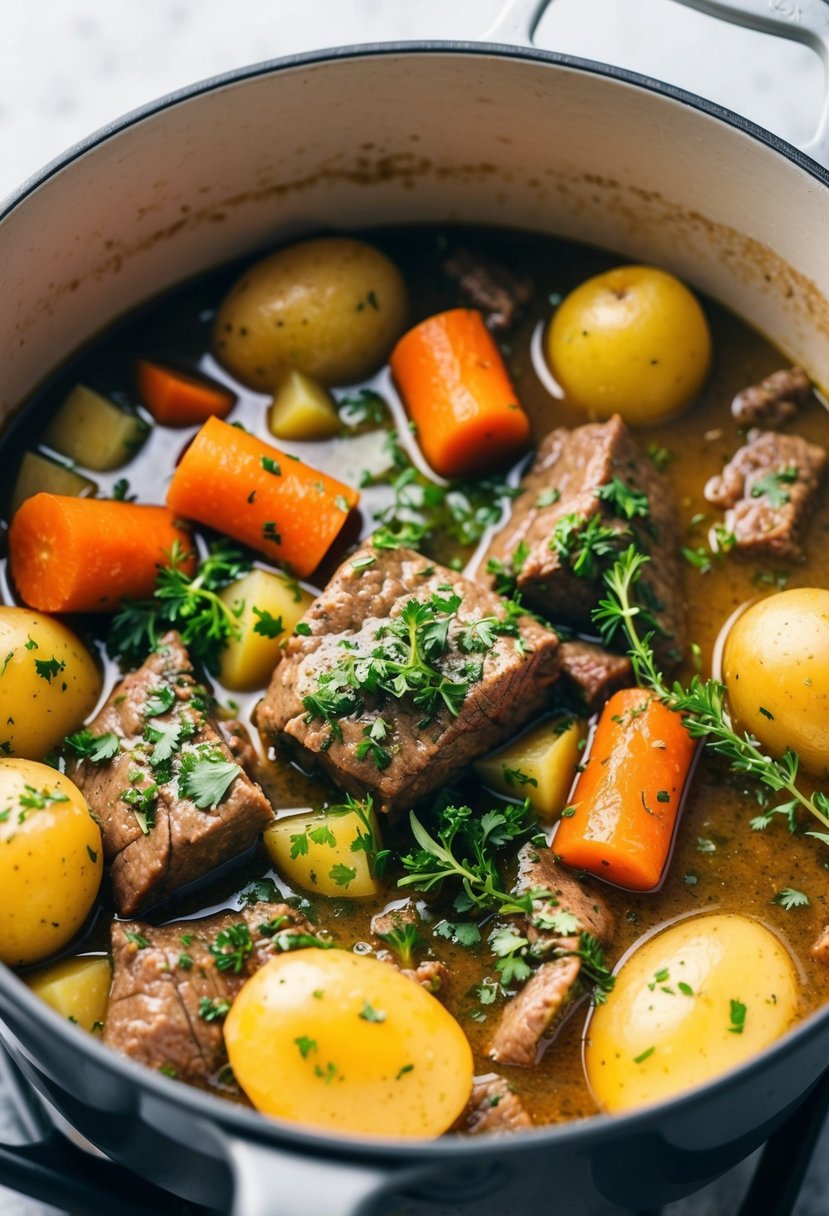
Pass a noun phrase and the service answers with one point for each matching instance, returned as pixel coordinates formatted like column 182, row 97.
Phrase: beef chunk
column 157, row 837
column 538, row 869
column 534, row 1012
column 559, row 501
column 775, row 400
column 493, row 1109
column 168, row 994
column 820, row 947
column 768, row 490
column 238, row 740
column 326, row 696
column 499, row 293
column 594, row 674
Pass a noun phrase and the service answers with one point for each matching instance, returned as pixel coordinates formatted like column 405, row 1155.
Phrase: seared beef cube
column 493, row 1109
column 775, row 400
column 172, row 986
column 172, row 803
column 594, row 674
column 569, row 520
column 535, row 1012
column 406, row 673
column 494, row 289
column 768, row 490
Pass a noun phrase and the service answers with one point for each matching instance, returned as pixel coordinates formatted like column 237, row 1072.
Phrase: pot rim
column 201, row 1104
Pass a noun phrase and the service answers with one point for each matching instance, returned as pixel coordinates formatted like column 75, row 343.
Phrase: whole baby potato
column 776, row 669
column 632, row 341
column 51, row 861
column 331, row 307
column 49, row 682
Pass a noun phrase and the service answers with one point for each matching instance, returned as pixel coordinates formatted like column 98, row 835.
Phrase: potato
column 260, row 600
column 331, row 308
column 342, row 1041
column 77, row 988
column 49, row 682
column 51, row 861
column 632, row 341
column 303, row 409
column 39, row 474
column 698, row 999
column 94, row 431
column 776, row 669
column 539, row 765
column 316, row 850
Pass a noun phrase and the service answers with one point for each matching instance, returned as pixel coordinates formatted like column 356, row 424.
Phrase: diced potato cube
column 539, row 765
column 303, row 409
column 39, row 474
column 94, row 431
column 77, row 988
column 260, row 601
column 327, row 851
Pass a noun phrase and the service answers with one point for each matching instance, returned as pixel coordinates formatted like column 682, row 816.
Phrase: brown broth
column 747, row 868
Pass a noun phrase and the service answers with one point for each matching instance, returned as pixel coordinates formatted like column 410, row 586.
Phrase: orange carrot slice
column 625, row 804
column 274, row 503
column 458, row 393
column 177, row 399
column 87, row 554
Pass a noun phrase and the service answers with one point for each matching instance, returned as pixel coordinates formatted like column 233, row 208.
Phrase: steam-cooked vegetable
column 331, row 308
column 177, row 399
column 76, row 988
column 234, row 482
column 336, row 852
column 632, row 341
column 776, row 669
column 694, row 1001
column 49, row 682
column 88, row 554
column 341, row 1041
column 458, row 394
column 39, row 474
column 51, row 861
column 540, row 765
column 265, row 607
column 94, row 431
column 302, row 409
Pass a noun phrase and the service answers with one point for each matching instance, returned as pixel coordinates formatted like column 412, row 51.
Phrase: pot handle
column 805, row 21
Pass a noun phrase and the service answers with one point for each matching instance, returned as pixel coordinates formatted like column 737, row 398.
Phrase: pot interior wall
column 389, row 137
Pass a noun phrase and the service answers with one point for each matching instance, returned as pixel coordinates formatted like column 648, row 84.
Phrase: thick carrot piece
column 176, row 399
column 88, row 554
column 458, row 393
column 625, row 804
column 234, row 482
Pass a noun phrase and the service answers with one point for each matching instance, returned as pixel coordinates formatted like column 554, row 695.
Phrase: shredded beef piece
column 499, row 293
column 424, row 753
column 775, row 400
column 182, row 842
column 768, row 490
column 534, row 1012
column 493, row 1109
column 538, row 869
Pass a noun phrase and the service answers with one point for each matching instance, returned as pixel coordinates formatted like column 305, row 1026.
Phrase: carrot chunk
column 625, row 804
column 177, row 399
column 87, row 554
column 458, row 393
column 234, row 482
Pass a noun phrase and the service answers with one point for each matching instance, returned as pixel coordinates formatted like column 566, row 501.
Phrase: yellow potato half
column 76, row 988
column 632, row 341
column 692, row 1002
column 345, row 1042
column 49, row 682
column 539, row 765
column 776, row 669
column 51, row 861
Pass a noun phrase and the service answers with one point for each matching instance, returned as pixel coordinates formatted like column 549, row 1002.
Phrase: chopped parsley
column 623, row 500
column 213, row 1010
column 270, row 466
column 232, row 947
column 404, row 939
column 49, row 669
column 305, row 1045
column 581, row 543
column 788, row 898
column 369, row 1014
column 772, row 486
column 267, row 625
column 96, row 748
column 738, row 1017
column 138, row 940
column 205, row 776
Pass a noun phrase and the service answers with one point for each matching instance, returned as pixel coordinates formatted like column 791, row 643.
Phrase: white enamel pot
column 487, row 133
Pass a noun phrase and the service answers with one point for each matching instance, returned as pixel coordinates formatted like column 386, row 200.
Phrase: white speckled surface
column 68, row 66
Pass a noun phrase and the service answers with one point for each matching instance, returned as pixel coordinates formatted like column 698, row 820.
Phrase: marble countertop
column 69, row 66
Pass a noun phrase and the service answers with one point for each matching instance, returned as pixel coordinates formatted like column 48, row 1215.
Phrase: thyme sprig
column 703, row 702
